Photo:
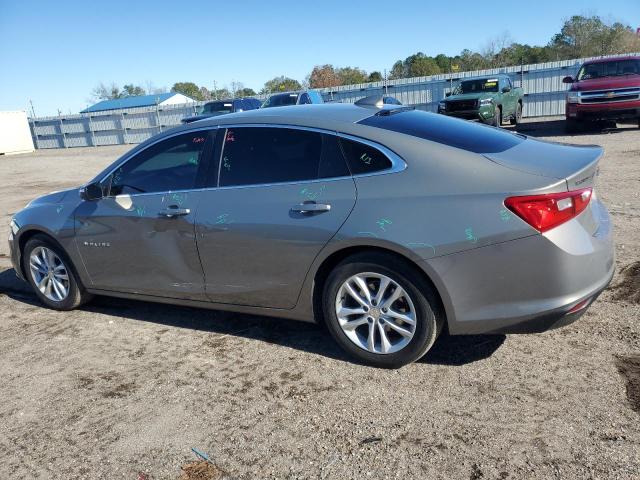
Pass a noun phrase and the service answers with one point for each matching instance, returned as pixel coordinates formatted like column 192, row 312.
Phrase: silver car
column 384, row 223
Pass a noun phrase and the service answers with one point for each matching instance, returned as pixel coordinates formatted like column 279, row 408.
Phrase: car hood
column 469, row 96
column 606, row 83
column 56, row 197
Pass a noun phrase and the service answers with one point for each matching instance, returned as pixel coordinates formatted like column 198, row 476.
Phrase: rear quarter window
column 362, row 158
column 456, row 133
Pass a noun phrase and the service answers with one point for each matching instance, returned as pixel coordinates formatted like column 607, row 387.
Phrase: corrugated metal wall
column 542, row 84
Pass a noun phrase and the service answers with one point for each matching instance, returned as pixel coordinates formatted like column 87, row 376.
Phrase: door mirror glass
column 448, row 94
column 90, row 192
column 506, row 89
column 567, row 79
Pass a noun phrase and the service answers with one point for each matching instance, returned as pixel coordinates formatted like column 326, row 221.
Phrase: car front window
column 217, row 107
column 281, row 100
column 609, row 69
column 171, row 164
column 477, row 86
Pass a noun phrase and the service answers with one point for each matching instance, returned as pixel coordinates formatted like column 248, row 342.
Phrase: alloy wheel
column 49, row 274
column 375, row 313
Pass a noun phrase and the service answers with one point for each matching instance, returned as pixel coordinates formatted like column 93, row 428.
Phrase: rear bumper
column 527, row 285
column 602, row 111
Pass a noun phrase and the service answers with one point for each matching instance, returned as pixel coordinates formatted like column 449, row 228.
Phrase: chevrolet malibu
column 384, row 223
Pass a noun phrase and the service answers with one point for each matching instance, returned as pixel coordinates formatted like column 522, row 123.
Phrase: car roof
column 314, row 115
column 612, row 59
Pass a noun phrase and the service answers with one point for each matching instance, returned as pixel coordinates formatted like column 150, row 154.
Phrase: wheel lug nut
column 365, row 308
column 384, row 310
column 370, row 319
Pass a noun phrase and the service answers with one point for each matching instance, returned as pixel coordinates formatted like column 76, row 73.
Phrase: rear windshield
column 469, row 136
column 477, row 86
column 616, row 68
column 217, row 107
column 281, row 100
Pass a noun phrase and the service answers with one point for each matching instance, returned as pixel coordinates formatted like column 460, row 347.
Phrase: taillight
column 544, row 212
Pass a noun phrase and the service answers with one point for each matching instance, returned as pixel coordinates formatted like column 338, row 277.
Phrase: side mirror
column 506, row 89
column 448, row 94
column 567, row 80
column 91, row 192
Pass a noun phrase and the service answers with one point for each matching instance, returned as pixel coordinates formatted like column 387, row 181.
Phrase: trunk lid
column 576, row 164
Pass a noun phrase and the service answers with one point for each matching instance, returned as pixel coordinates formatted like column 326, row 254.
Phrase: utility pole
column 33, row 112
column 215, row 90
column 386, row 88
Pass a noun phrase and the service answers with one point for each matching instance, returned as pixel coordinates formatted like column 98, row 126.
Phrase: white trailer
column 15, row 135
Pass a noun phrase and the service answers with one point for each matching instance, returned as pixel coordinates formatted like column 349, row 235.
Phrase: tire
column 573, row 126
column 497, row 118
column 419, row 303
column 517, row 117
column 40, row 253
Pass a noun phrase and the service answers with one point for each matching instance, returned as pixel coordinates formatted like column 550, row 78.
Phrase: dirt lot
column 124, row 389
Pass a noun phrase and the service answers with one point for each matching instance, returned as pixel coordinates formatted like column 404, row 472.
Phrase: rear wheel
column 51, row 275
column 380, row 310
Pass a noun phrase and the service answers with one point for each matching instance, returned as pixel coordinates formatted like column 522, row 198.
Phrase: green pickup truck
column 491, row 100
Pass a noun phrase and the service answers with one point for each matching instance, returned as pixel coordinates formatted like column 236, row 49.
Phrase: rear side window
column 362, row 158
column 449, row 131
column 258, row 155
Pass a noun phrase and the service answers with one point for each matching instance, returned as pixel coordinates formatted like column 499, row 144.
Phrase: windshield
column 609, row 69
column 477, row 86
column 217, row 107
column 281, row 100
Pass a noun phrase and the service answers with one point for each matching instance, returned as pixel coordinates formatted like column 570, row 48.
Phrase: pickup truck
column 222, row 107
column 604, row 89
column 491, row 100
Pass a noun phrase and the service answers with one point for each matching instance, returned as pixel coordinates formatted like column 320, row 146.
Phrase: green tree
column 131, row 90
column 375, row 77
column 420, row 65
column 188, row 89
column 246, row 92
column 281, row 84
column 398, row 70
column 351, row 75
column 104, row 92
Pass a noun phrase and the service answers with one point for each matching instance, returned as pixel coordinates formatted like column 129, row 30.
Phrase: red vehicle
column 604, row 89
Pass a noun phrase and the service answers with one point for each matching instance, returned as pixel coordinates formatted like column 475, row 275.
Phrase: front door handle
column 174, row 211
column 311, row 207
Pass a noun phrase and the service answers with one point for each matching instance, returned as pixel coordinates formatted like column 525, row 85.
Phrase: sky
column 53, row 53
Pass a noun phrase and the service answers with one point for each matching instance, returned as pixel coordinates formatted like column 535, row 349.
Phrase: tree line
column 579, row 37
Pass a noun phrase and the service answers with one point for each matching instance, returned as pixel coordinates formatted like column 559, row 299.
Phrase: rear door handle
column 174, row 211
column 311, row 207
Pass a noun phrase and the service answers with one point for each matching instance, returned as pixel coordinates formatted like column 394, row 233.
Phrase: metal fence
column 542, row 83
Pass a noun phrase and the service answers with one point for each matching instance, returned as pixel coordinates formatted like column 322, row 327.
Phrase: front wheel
column 381, row 311
column 517, row 118
column 51, row 275
column 497, row 118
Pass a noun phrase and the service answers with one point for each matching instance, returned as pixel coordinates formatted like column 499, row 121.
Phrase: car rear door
column 281, row 195
column 140, row 238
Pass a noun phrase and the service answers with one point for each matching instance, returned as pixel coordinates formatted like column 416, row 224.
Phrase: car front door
column 282, row 194
column 140, row 237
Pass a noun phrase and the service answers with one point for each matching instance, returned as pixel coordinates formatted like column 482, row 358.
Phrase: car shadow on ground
column 557, row 128
column 448, row 350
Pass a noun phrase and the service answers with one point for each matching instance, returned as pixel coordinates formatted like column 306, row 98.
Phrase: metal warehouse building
column 171, row 98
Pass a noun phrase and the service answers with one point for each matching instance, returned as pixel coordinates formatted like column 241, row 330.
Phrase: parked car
column 604, row 89
column 387, row 224
column 491, row 100
column 222, row 107
column 293, row 98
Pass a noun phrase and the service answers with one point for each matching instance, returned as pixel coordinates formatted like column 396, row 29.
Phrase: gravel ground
column 125, row 389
